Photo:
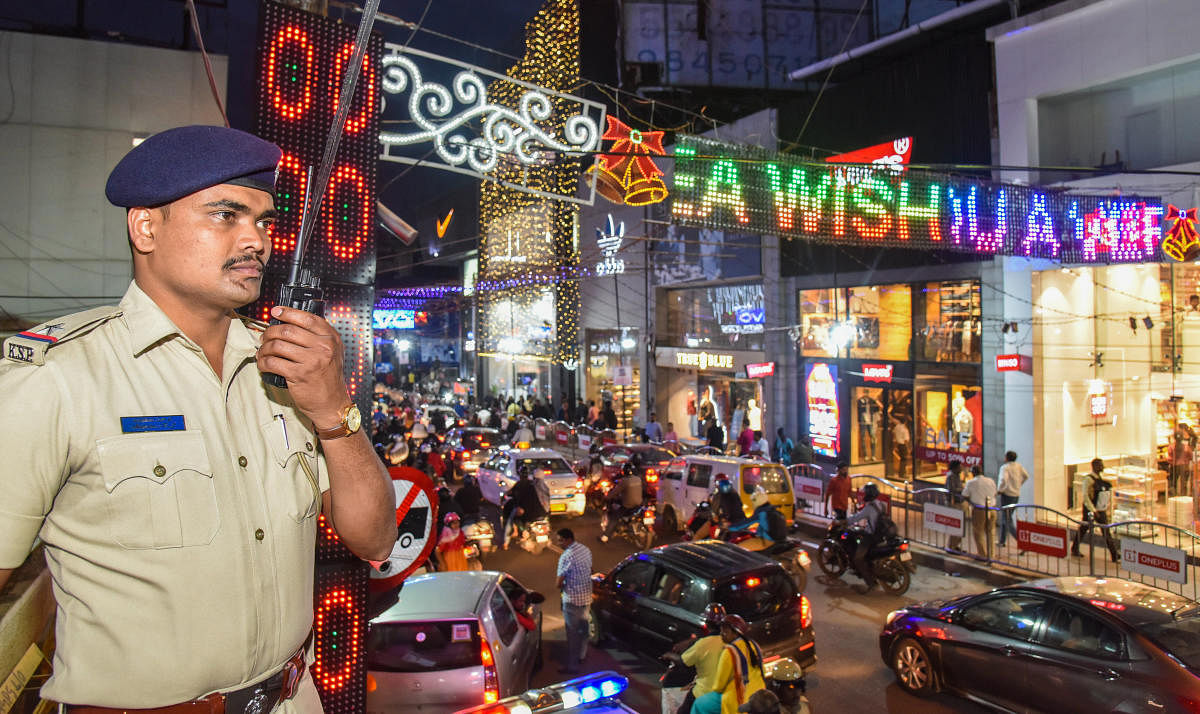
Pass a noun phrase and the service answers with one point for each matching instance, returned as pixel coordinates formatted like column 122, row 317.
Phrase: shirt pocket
column 160, row 489
column 293, row 470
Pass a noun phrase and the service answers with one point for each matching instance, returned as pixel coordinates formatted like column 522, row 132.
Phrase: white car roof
column 536, row 454
column 439, row 595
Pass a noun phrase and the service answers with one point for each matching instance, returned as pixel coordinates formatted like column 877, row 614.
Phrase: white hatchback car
column 453, row 640
column 498, row 474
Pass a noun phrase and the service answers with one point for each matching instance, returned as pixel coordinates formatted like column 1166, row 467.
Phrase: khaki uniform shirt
column 182, row 560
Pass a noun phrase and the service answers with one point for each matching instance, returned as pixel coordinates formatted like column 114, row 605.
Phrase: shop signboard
column 1155, row 561
column 943, row 519
column 1014, row 363
column 821, row 398
column 881, row 373
column 760, row 369
column 622, row 376
column 1041, row 538
column 724, row 186
column 808, row 488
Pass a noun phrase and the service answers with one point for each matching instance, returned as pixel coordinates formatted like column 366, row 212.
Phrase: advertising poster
column 821, row 401
column 943, row 519
column 1154, row 560
column 1041, row 538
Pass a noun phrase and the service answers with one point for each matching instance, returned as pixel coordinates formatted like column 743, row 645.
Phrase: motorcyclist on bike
column 624, row 498
column 868, row 515
column 726, row 504
column 469, row 498
column 771, row 533
column 786, row 680
column 526, row 504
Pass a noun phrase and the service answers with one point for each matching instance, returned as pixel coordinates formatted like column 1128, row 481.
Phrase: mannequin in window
column 707, row 410
column 869, row 413
column 964, row 423
column 691, row 412
column 754, row 414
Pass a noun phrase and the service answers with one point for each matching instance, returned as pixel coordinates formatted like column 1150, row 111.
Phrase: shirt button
column 160, row 471
column 260, row 534
column 242, row 461
column 308, row 445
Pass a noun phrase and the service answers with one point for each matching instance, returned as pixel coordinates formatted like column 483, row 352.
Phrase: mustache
column 234, row 262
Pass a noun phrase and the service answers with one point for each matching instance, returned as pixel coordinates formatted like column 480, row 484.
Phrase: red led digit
column 364, row 95
column 347, row 215
column 289, row 200
column 298, row 69
column 337, row 621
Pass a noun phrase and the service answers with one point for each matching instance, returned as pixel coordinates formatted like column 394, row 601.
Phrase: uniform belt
column 257, row 698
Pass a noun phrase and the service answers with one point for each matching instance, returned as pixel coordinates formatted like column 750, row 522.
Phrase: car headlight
column 891, row 616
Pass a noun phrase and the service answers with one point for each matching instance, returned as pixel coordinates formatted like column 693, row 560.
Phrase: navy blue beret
column 181, row 161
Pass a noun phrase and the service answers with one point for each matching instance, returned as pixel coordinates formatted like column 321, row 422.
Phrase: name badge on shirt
column 139, row 424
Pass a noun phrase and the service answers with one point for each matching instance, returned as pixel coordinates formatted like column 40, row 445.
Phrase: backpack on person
column 1101, row 493
column 776, row 525
column 885, row 527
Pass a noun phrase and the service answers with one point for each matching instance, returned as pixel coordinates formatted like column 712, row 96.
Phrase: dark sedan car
column 470, row 446
column 656, row 598
column 1079, row 644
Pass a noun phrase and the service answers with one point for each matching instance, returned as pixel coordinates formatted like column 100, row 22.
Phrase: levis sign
column 760, row 369
column 877, row 373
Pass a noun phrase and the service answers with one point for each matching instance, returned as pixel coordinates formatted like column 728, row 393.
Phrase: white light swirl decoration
column 506, row 132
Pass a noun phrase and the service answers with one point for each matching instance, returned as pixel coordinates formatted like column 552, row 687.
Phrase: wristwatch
column 351, row 422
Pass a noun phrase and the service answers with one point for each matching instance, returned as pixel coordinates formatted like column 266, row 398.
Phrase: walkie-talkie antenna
column 305, row 218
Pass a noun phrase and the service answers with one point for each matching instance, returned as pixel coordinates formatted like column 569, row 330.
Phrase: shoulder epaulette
column 30, row 346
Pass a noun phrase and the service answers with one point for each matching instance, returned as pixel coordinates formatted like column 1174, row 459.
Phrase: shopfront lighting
column 842, row 334
column 403, row 345
column 628, row 343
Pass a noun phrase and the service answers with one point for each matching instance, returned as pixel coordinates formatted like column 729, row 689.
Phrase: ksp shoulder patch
column 30, row 346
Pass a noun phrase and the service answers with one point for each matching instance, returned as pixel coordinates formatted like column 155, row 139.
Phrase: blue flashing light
column 589, row 694
column 570, row 698
column 612, row 687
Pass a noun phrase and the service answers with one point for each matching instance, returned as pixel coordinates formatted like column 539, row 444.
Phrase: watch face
column 353, row 419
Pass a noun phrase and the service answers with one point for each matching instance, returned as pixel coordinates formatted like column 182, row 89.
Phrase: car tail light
column 904, row 546
column 805, row 612
column 753, row 582
column 466, row 453
column 648, row 516
column 651, row 475
column 484, row 444
column 491, row 683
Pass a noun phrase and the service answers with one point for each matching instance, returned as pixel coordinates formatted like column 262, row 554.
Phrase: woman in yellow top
column 450, row 545
column 739, row 671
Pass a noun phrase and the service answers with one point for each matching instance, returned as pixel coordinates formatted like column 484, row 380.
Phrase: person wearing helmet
column 786, row 680
column 703, row 653
column 526, row 506
column 469, row 498
column 727, row 505
column 451, row 544
column 739, row 670
column 770, row 524
column 624, row 498
column 868, row 516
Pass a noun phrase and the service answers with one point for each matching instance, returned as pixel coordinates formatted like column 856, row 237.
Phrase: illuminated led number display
column 746, row 189
column 301, row 64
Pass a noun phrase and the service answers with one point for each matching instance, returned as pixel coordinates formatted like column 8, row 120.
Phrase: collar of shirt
column 149, row 325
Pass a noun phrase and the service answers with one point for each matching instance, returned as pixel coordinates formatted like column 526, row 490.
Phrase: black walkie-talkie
column 302, row 290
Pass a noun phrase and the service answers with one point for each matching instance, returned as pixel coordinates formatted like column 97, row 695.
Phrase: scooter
column 535, row 536
column 480, row 532
column 889, row 559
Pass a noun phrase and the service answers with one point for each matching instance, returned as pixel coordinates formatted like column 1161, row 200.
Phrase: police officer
column 176, row 494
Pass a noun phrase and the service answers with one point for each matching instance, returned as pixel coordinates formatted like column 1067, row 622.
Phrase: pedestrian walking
column 838, row 492
column 1012, row 476
column 783, row 447
column 170, row 487
column 954, row 499
column 575, row 582
column 654, row 432
column 1097, row 502
column 980, row 494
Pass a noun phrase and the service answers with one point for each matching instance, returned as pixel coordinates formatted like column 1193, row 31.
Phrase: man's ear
column 140, row 223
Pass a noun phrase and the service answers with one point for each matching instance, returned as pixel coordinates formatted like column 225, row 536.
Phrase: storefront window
column 882, row 319
column 949, row 322
column 881, row 430
column 613, row 374
column 949, row 426
column 821, row 311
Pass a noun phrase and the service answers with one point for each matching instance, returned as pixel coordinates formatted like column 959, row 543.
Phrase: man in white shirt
column 1012, row 476
column 980, row 492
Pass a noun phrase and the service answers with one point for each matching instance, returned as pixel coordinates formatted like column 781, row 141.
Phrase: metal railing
column 1055, row 533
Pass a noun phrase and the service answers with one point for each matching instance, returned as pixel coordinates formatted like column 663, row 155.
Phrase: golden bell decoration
column 1183, row 241
column 628, row 175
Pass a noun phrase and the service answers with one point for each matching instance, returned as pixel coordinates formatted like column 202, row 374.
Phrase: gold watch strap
column 342, row 429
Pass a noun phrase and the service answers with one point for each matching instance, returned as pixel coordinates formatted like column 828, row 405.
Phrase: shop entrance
column 730, row 401
column 949, row 418
column 881, row 430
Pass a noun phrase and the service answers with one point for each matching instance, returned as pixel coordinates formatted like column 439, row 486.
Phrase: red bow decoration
column 1183, row 241
column 628, row 174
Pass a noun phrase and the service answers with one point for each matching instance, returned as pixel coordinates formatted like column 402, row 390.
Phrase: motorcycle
column 794, row 559
column 701, row 526
column 535, row 536
column 636, row 526
column 597, row 493
column 889, row 559
column 480, row 532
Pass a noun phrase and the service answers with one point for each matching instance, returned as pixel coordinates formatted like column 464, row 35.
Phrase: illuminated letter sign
column 877, row 373
column 1008, row 363
column 746, row 189
column 824, row 422
column 610, row 243
column 704, row 360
